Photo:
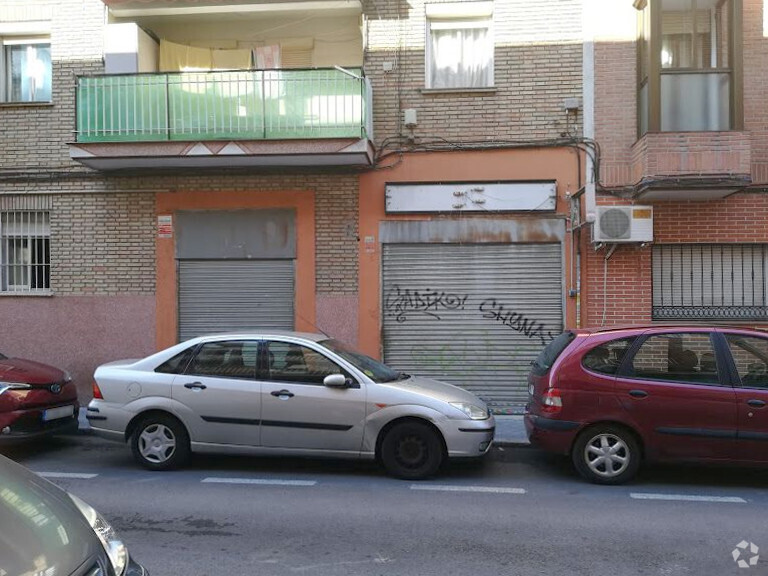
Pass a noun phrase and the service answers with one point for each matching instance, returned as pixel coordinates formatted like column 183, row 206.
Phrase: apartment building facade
column 416, row 179
column 679, row 116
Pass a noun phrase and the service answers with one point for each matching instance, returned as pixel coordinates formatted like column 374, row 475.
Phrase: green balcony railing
column 243, row 105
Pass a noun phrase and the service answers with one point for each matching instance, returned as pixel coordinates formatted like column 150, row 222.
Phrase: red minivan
column 35, row 399
column 613, row 397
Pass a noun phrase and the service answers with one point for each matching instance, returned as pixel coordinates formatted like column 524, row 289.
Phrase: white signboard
column 471, row 197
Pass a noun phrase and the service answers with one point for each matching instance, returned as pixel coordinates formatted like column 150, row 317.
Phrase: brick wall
column 538, row 58
column 616, row 113
column 103, row 243
column 33, row 137
column 627, row 296
column 103, row 228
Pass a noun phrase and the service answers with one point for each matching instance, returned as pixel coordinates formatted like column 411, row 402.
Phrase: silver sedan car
column 284, row 393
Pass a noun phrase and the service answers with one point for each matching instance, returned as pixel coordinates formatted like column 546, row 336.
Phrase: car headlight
column 471, row 411
column 116, row 550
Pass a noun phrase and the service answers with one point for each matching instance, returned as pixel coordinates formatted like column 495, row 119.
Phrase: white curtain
column 460, row 57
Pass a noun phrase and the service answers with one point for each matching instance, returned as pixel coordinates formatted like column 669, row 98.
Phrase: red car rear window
column 548, row 356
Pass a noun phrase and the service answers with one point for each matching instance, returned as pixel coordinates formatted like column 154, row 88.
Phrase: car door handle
column 282, row 393
column 195, row 386
column 638, row 393
column 756, row 403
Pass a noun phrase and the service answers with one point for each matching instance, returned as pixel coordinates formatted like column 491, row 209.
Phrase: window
column 25, row 251
column 293, row 363
column 710, row 282
column 459, row 45
column 225, row 360
column 689, row 68
column 177, row 364
column 750, row 355
column 547, row 357
column 26, row 69
column 677, row 358
column 607, row 357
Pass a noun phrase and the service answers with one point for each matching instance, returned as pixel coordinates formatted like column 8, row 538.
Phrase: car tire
column 160, row 442
column 411, row 451
column 606, row 454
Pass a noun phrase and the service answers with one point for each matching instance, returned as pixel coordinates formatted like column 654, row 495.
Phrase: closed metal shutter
column 474, row 315
column 234, row 295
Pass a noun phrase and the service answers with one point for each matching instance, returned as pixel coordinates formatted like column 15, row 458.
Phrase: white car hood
column 436, row 389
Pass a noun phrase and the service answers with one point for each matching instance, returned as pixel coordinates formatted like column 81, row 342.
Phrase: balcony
column 243, row 118
column 696, row 166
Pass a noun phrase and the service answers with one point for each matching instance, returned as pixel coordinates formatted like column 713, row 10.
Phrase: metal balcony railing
column 242, row 105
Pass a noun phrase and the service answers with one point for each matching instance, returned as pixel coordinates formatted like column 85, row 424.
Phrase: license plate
column 56, row 413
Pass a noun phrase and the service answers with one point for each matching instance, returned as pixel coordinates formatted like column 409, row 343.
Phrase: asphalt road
column 522, row 512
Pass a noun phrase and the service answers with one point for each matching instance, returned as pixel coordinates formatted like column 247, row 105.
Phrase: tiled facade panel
column 538, row 64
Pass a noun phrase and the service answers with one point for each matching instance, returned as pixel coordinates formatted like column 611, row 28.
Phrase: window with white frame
column 710, row 282
column 459, row 46
column 25, row 63
column 25, row 251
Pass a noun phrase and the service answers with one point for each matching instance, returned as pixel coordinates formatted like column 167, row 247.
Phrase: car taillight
column 96, row 392
column 552, row 401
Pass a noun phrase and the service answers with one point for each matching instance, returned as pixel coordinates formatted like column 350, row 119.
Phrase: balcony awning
column 137, row 8
column 329, row 153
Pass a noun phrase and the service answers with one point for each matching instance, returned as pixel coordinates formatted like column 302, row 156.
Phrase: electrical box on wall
column 623, row 224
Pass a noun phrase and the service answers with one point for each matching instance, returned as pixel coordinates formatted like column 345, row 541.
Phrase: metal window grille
column 710, row 282
column 25, row 251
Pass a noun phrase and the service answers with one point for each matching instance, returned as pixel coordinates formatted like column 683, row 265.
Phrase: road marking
column 687, row 498
column 66, row 475
column 486, row 489
column 259, row 481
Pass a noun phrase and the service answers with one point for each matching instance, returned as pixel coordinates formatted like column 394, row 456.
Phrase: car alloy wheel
column 412, row 451
column 157, row 443
column 160, row 442
column 606, row 454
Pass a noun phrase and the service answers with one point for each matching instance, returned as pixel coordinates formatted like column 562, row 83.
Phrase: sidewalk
column 510, row 430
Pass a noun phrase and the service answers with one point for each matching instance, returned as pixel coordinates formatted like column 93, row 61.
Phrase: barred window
column 710, row 282
column 25, row 251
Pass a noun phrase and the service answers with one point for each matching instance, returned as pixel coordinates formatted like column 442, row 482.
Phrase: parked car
column 611, row 398
column 284, row 393
column 45, row 530
column 35, row 399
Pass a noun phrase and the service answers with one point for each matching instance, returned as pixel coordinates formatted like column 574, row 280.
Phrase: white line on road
column 687, row 498
column 259, row 481
column 486, row 489
column 66, row 475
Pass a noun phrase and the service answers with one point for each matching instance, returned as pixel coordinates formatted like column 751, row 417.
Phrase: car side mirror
column 335, row 381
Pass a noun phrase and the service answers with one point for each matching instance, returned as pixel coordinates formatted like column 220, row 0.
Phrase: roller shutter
column 474, row 315
column 234, row 295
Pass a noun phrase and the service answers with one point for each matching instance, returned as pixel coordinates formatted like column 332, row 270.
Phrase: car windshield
column 374, row 369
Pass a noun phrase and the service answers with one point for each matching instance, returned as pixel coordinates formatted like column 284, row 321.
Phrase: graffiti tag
column 517, row 321
column 400, row 302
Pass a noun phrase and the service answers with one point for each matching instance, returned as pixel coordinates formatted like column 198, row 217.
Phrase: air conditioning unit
column 623, row 224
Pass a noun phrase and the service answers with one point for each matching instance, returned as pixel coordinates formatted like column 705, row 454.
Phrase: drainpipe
column 588, row 97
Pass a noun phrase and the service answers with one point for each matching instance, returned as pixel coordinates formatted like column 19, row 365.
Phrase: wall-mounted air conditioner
column 623, row 224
